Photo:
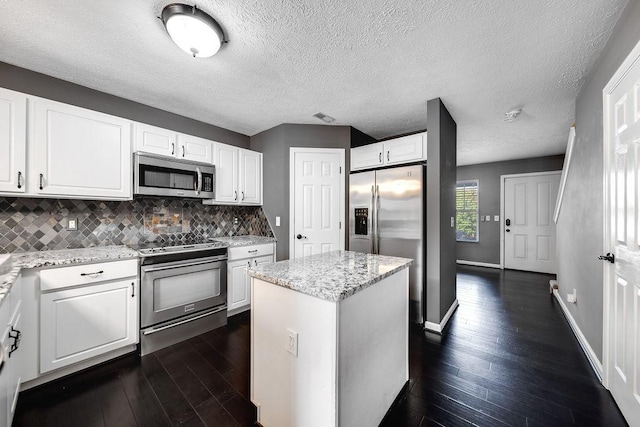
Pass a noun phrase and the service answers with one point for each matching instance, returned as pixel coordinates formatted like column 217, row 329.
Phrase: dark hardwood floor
column 508, row 357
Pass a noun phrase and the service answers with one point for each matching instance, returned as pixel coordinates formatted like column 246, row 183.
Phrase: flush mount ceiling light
column 324, row 117
column 192, row 30
column 512, row 115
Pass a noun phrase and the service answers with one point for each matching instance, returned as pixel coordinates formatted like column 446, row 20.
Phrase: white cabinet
column 155, row 140
column 13, row 141
column 406, row 149
column 238, row 175
column 79, row 153
column 86, row 311
column 10, row 319
column 238, row 282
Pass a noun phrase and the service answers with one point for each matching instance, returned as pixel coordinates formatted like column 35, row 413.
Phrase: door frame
column 503, row 178
column 618, row 76
column 292, row 152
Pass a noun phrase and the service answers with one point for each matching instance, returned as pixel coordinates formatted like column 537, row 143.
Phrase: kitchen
column 110, row 216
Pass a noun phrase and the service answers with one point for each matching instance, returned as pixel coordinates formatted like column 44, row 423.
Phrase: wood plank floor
column 507, row 358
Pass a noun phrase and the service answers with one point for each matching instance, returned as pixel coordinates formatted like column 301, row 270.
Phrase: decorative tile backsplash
column 41, row 224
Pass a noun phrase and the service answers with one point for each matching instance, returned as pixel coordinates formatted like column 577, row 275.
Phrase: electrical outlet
column 292, row 342
column 482, row 218
column 235, row 220
column 488, row 218
column 72, row 224
column 453, row 222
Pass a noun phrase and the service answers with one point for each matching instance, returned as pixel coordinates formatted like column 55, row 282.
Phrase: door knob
column 507, row 230
column 300, row 237
column 608, row 257
column 508, row 222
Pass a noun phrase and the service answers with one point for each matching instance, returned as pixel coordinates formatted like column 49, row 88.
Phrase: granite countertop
column 235, row 241
column 61, row 257
column 332, row 276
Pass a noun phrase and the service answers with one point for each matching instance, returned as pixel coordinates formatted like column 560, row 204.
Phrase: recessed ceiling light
column 192, row 30
column 512, row 115
column 324, row 117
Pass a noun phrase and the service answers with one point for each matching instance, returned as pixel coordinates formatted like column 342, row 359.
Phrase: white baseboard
column 588, row 351
column 438, row 328
column 477, row 264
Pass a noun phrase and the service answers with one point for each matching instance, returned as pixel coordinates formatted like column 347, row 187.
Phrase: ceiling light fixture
column 512, row 115
column 192, row 30
column 324, row 117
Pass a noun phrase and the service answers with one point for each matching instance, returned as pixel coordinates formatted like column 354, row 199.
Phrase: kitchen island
column 329, row 339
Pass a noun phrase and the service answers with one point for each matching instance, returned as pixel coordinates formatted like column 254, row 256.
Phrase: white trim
column 502, row 180
column 292, row 151
column 582, row 340
column 477, row 264
column 565, row 172
column 438, row 328
column 618, row 76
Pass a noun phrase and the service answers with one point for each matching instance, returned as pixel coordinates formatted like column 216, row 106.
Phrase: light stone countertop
column 61, row 257
column 235, row 241
column 332, row 276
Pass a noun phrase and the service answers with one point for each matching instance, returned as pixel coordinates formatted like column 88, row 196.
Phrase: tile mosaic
column 41, row 224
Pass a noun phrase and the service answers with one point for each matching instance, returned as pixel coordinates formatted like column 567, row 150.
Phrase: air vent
column 324, row 117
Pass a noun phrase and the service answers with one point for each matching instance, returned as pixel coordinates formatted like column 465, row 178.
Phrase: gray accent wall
column 487, row 249
column 37, row 84
column 274, row 144
column 580, row 226
column 441, row 186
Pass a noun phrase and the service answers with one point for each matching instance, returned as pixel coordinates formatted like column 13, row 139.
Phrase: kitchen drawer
column 250, row 251
column 58, row 278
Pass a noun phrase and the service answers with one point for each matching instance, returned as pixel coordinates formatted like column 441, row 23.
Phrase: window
column 467, row 211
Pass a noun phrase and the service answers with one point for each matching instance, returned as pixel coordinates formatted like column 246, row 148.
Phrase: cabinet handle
column 235, row 195
column 94, row 274
column 249, row 264
column 173, row 148
column 380, row 157
column 255, row 262
column 19, row 179
column 243, row 195
column 17, row 336
column 133, row 290
column 387, row 156
column 41, row 181
column 253, row 251
column 183, row 151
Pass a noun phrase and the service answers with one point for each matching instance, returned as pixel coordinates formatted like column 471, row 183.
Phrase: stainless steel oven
column 183, row 293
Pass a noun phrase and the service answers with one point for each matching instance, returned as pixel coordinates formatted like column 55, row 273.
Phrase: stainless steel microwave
column 164, row 176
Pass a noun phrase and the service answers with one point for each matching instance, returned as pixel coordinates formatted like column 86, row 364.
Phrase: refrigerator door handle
column 372, row 249
column 376, row 241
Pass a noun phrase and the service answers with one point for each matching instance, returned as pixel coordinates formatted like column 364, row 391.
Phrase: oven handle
column 182, row 322
column 182, row 265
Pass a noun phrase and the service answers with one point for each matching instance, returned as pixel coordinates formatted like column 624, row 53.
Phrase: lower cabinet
column 238, row 282
column 10, row 372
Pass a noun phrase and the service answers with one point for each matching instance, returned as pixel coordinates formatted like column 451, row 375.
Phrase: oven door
column 171, row 290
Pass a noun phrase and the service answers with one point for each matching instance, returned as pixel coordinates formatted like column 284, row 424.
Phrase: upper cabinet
column 79, row 153
column 155, row 140
column 238, row 175
column 396, row 151
column 13, row 141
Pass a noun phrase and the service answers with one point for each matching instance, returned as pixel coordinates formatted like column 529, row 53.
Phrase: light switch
column 277, row 221
column 453, row 222
column 488, row 218
column 482, row 218
column 496, row 218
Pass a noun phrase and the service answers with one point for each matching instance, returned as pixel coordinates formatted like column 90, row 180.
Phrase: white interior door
column 528, row 227
column 622, row 227
column 316, row 201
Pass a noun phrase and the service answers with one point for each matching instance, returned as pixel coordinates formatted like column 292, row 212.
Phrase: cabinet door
column 238, row 284
column 13, row 141
column 14, row 368
column 257, row 262
column 250, row 177
column 226, row 162
column 80, row 153
column 79, row 323
column 5, row 341
column 404, row 149
column 155, row 140
column 366, row 156
column 194, row 148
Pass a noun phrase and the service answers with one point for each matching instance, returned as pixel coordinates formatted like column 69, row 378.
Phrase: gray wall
column 487, row 250
column 274, row 144
column 32, row 83
column 580, row 226
column 441, row 237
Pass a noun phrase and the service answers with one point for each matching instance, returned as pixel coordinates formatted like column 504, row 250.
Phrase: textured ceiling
column 370, row 64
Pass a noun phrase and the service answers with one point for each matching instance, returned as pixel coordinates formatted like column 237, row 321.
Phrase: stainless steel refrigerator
column 386, row 217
